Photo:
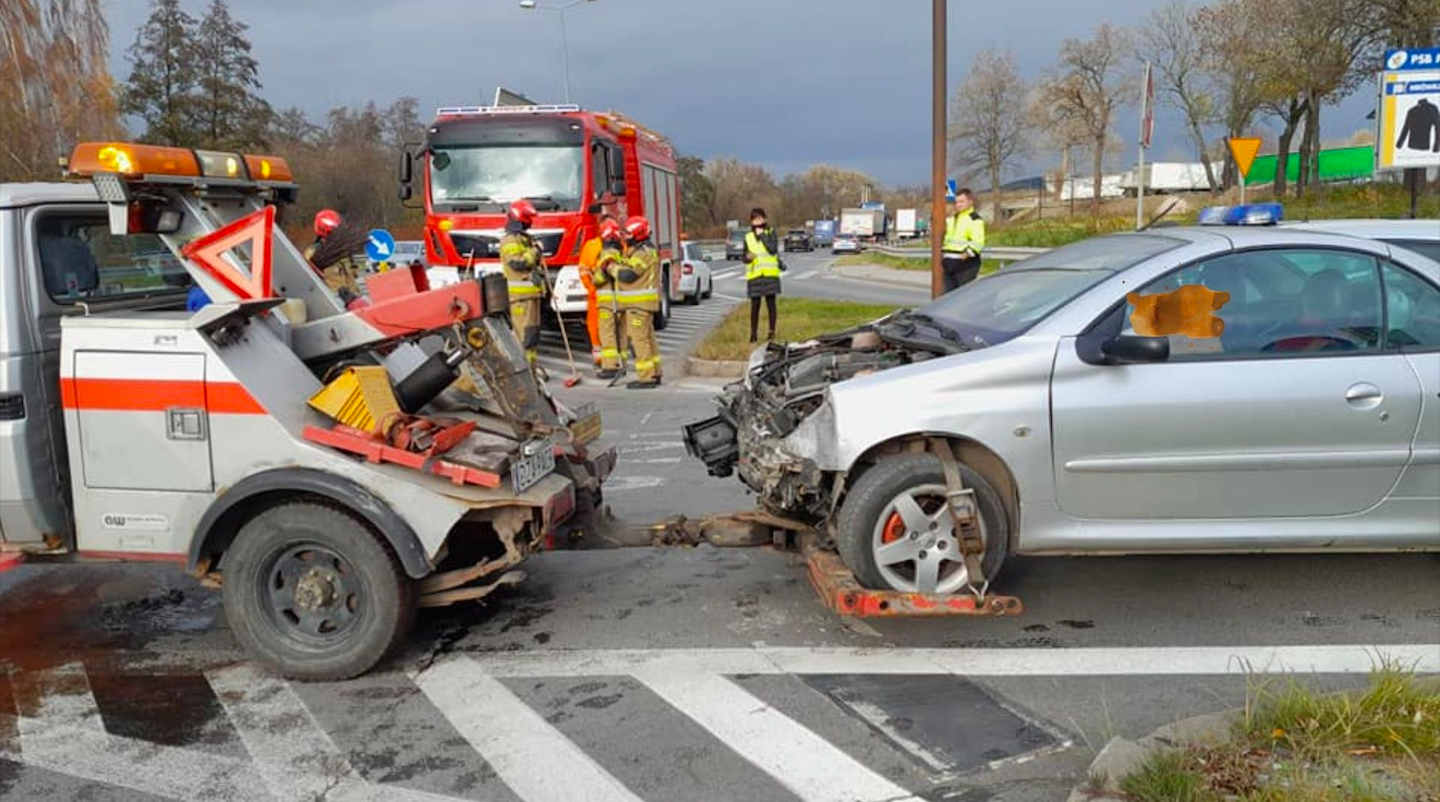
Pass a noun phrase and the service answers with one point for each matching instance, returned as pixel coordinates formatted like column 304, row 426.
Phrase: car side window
column 80, row 260
column 1412, row 307
column 1264, row 303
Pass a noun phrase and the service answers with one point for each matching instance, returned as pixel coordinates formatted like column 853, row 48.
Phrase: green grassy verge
column 1365, row 200
column 800, row 319
column 987, row 266
column 1296, row 745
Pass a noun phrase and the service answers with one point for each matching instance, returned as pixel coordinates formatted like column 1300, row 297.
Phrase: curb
column 722, row 368
column 1120, row 757
column 880, row 274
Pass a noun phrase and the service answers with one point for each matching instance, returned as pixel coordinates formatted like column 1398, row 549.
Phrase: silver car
column 1420, row 236
column 1310, row 423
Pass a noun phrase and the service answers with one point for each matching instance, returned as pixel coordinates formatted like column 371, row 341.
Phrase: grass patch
column 1361, row 200
column 1294, row 744
column 799, row 319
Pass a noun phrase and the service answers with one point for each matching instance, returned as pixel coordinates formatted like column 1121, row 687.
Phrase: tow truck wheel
column 313, row 592
column 895, row 533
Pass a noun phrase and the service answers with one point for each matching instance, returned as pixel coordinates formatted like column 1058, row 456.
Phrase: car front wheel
column 895, row 533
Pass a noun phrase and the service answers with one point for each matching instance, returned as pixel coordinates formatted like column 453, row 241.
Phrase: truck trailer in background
column 905, row 223
column 867, row 224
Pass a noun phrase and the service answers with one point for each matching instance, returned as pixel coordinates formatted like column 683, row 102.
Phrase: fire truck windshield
column 492, row 176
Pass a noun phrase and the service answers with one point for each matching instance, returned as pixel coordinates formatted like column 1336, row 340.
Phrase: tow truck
column 331, row 469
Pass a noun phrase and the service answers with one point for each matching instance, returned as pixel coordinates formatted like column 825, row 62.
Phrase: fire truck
column 572, row 164
column 332, row 468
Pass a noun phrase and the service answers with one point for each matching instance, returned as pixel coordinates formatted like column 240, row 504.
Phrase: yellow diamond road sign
column 1244, row 148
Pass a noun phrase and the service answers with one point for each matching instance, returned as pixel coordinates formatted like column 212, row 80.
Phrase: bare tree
column 987, row 119
column 1171, row 41
column 55, row 89
column 1232, row 34
column 739, row 187
column 1059, row 132
column 1091, row 86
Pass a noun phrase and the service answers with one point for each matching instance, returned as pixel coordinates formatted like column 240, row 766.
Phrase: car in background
column 407, row 251
column 1295, row 414
column 845, row 243
column 798, row 239
column 735, row 245
column 696, row 282
column 1420, row 236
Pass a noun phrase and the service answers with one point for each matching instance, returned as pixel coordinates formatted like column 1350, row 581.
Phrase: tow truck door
column 143, row 424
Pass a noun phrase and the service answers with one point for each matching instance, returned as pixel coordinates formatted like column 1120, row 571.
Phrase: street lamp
column 531, row 5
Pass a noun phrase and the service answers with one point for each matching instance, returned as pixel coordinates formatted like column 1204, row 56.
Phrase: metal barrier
column 1002, row 253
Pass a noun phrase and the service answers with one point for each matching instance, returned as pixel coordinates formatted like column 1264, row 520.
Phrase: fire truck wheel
column 894, row 534
column 314, row 592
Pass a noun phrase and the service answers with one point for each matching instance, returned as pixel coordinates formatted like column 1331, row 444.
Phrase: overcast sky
column 786, row 83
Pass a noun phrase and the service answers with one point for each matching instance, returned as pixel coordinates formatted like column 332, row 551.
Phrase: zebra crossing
column 612, row 725
column 688, row 324
column 468, row 727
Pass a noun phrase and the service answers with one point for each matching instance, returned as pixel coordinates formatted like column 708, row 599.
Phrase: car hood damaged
column 773, row 424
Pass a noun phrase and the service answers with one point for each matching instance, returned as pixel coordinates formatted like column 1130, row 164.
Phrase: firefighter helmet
column 609, row 231
column 522, row 211
column 638, row 228
column 326, row 221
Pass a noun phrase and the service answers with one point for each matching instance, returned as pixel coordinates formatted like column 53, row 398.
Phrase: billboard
column 1409, row 115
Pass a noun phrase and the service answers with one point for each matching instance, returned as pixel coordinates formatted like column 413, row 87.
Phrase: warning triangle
column 1244, row 148
column 209, row 253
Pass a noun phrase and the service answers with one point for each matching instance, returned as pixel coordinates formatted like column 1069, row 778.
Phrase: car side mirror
column 617, row 187
column 406, row 192
column 406, row 172
column 1126, row 348
column 595, row 208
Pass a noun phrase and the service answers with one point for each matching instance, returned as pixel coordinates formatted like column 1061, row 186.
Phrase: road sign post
column 1243, row 149
column 1408, row 118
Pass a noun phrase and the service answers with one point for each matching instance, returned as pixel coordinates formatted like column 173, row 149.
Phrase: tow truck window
column 80, row 260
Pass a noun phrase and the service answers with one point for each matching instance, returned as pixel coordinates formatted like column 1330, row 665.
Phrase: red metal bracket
column 355, row 441
column 841, row 592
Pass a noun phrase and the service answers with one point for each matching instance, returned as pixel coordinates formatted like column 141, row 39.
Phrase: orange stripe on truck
column 157, row 395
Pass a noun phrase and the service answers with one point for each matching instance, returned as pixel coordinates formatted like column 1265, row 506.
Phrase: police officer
column 523, row 263
column 607, row 303
column 638, row 294
column 964, row 241
column 762, row 270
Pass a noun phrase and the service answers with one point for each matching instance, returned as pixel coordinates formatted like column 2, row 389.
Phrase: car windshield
column 549, row 175
column 738, row 235
column 693, row 252
column 797, row 233
column 1005, row 305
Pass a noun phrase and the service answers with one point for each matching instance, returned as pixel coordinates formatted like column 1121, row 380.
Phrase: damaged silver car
column 1301, row 425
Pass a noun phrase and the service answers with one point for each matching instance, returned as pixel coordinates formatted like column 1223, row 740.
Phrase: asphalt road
column 694, row 674
column 809, row 275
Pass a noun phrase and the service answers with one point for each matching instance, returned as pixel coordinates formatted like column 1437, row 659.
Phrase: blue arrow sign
column 950, row 188
column 380, row 245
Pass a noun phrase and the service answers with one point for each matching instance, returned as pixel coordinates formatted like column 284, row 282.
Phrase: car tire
column 662, row 317
column 693, row 299
column 287, row 555
column 858, row 527
column 709, row 289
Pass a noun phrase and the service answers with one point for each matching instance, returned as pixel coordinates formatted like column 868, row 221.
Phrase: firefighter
column 964, row 240
column 589, row 260
column 523, row 265
column 339, row 275
column 608, row 316
column 762, row 271
column 638, row 294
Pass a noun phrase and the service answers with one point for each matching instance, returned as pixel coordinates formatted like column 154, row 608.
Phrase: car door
column 1412, row 323
column 1297, row 409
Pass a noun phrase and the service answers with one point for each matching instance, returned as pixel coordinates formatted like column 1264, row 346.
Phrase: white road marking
column 296, row 760
column 811, row 767
column 150, row 768
column 58, row 696
column 622, row 484
column 640, row 448
column 652, row 461
column 532, row 757
column 1118, row 661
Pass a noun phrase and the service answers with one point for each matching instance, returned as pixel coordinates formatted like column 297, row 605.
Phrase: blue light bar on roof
column 1250, row 214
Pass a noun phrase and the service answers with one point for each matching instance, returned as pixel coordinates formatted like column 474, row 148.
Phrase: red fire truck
column 572, row 164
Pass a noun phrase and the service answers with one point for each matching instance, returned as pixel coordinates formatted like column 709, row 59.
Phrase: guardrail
column 1002, row 253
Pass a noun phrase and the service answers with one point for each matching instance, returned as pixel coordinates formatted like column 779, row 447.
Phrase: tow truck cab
column 134, row 428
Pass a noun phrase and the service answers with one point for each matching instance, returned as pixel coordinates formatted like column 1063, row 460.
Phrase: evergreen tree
column 229, row 112
column 162, row 76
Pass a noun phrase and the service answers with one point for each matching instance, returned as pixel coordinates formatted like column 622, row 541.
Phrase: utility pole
column 937, row 144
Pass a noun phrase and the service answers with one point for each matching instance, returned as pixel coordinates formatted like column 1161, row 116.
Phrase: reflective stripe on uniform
column 520, row 289
column 637, row 296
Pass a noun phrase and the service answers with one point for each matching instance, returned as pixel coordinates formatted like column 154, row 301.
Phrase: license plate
column 536, row 461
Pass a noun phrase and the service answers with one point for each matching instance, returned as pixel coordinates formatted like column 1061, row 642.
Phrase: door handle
column 1364, row 395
